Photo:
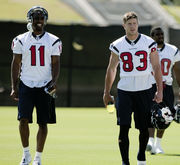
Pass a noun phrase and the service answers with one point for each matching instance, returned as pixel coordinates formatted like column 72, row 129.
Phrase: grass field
column 82, row 136
column 174, row 11
column 59, row 12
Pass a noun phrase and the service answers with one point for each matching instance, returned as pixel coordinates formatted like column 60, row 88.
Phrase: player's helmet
column 33, row 10
column 161, row 116
column 177, row 113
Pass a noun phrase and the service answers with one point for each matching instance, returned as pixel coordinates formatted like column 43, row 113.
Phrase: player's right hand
column 178, row 100
column 14, row 95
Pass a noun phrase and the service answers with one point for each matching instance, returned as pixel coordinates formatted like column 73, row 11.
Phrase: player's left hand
column 107, row 98
column 51, row 89
column 158, row 97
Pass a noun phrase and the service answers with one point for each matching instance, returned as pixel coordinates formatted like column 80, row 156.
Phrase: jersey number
column 165, row 65
column 127, row 57
column 33, row 55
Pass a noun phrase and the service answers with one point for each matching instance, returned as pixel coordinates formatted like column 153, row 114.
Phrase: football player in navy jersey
column 170, row 61
column 35, row 65
column 133, row 53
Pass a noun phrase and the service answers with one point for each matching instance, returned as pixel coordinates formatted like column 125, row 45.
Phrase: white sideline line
column 91, row 12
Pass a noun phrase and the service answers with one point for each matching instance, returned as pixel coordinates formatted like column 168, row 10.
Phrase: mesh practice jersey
column 168, row 55
column 36, row 57
column 135, row 70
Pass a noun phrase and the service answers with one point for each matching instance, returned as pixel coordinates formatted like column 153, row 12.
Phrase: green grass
column 174, row 11
column 82, row 136
column 59, row 12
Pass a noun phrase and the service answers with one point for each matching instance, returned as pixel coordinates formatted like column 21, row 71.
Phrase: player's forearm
column 55, row 71
column 178, row 79
column 109, row 79
column 15, row 67
column 158, row 78
column 176, row 70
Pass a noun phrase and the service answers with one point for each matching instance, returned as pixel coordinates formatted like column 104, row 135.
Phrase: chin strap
column 29, row 27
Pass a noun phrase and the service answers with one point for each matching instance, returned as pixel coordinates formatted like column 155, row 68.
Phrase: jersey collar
column 162, row 48
column 38, row 37
column 135, row 41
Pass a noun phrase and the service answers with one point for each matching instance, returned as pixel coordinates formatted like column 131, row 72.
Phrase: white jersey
column 168, row 55
column 36, row 57
column 135, row 70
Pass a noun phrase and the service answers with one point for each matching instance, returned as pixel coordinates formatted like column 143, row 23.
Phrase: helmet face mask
column 37, row 9
column 161, row 116
column 177, row 113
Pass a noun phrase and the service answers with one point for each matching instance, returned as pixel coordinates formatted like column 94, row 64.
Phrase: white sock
column 151, row 141
column 38, row 155
column 141, row 162
column 26, row 150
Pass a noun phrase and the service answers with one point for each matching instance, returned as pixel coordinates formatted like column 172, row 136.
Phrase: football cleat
column 37, row 161
column 26, row 159
column 159, row 150
column 153, row 152
column 148, row 147
column 150, row 144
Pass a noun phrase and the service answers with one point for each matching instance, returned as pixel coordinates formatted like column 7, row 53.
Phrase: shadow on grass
column 166, row 154
column 170, row 154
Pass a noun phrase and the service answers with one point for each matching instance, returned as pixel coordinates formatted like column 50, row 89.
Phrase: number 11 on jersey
column 33, row 55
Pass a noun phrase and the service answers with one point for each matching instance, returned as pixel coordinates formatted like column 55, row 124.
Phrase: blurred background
column 86, row 28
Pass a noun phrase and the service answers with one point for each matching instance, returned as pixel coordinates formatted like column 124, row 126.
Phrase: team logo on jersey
column 132, row 43
column 12, row 45
column 60, row 48
column 153, row 50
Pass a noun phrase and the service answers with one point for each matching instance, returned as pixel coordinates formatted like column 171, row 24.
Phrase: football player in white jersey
column 170, row 61
column 36, row 63
column 133, row 52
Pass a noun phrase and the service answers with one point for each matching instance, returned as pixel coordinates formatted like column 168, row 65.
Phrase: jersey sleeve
column 152, row 46
column 177, row 56
column 16, row 46
column 113, row 48
column 57, row 48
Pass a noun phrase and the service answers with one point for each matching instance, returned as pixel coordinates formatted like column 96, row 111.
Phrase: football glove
column 50, row 89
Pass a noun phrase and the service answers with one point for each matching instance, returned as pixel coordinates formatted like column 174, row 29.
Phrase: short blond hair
column 129, row 15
